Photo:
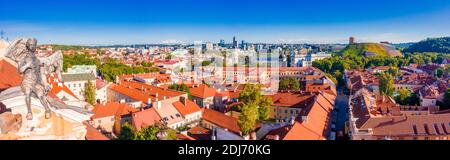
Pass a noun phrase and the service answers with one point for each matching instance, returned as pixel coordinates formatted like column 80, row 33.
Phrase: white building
column 304, row 60
column 77, row 83
column 82, row 69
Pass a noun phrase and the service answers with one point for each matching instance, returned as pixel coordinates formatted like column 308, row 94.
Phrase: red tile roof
column 94, row 134
column 222, row 120
column 112, row 109
column 100, row 83
column 142, row 92
column 314, row 127
column 8, row 70
column 200, row 133
column 202, row 91
column 290, row 99
column 189, row 108
column 58, row 88
column 145, row 118
column 301, row 132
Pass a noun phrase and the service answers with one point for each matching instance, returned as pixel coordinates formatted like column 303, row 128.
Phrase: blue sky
column 102, row 22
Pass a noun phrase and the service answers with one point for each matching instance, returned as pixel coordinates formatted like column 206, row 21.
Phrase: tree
column 386, row 84
column 250, row 94
column 126, row 133
column 403, row 96
column 446, row 103
column 182, row 87
column 89, row 93
column 439, row 73
column 264, row 108
column 289, row 84
column 247, row 119
column 171, row 135
column 147, row 133
column 168, row 56
column 206, row 63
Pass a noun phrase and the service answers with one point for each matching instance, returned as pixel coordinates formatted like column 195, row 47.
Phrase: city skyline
column 135, row 22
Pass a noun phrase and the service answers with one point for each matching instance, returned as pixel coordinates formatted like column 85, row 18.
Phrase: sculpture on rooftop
column 34, row 70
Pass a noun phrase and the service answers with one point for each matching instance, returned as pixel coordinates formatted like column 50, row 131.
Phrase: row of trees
column 336, row 65
column 183, row 87
column 155, row 132
column 440, row 45
column 110, row 68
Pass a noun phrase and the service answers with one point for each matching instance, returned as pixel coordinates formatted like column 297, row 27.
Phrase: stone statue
column 34, row 69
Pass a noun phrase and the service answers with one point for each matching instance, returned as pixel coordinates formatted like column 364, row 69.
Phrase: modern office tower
column 243, row 45
column 222, row 43
column 235, row 43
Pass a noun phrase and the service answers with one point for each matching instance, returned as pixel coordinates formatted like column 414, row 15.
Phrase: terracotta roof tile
column 145, row 118
column 189, row 108
column 202, row 91
column 94, row 134
column 112, row 109
column 8, row 70
column 222, row 120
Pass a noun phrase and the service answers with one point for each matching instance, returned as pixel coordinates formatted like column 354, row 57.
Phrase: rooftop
column 112, row 109
column 145, row 118
column 78, row 77
column 188, row 108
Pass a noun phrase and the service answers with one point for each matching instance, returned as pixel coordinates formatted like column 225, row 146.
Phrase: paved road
column 342, row 106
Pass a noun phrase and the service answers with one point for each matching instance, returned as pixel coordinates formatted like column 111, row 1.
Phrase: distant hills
column 440, row 45
column 370, row 49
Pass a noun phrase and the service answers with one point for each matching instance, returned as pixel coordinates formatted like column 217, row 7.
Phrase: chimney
column 183, row 100
column 60, row 84
column 292, row 121
column 277, row 137
column 252, row 136
column 304, row 118
column 149, row 102
column 159, row 104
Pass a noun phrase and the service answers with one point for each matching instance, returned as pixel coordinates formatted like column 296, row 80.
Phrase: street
column 342, row 110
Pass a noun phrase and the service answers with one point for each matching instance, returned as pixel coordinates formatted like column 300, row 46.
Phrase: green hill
column 370, row 49
column 440, row 45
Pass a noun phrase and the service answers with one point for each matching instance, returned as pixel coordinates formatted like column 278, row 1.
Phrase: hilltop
column 440, row 45
column 370, row 49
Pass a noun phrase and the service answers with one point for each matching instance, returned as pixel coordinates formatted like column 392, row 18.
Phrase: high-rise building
column 209, row 46
column 222, row 43
column 243, row 45
column 351, row 40
column 235, row 43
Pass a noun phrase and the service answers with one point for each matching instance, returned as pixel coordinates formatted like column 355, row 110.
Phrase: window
column 112, row 119
column 68, row 85
column 415, row 129
column 79, row 84
column 286, row 111
column 99, row 121
column 437, row 129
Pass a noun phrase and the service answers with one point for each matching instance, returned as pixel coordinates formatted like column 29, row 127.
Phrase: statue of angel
column 34, row 70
